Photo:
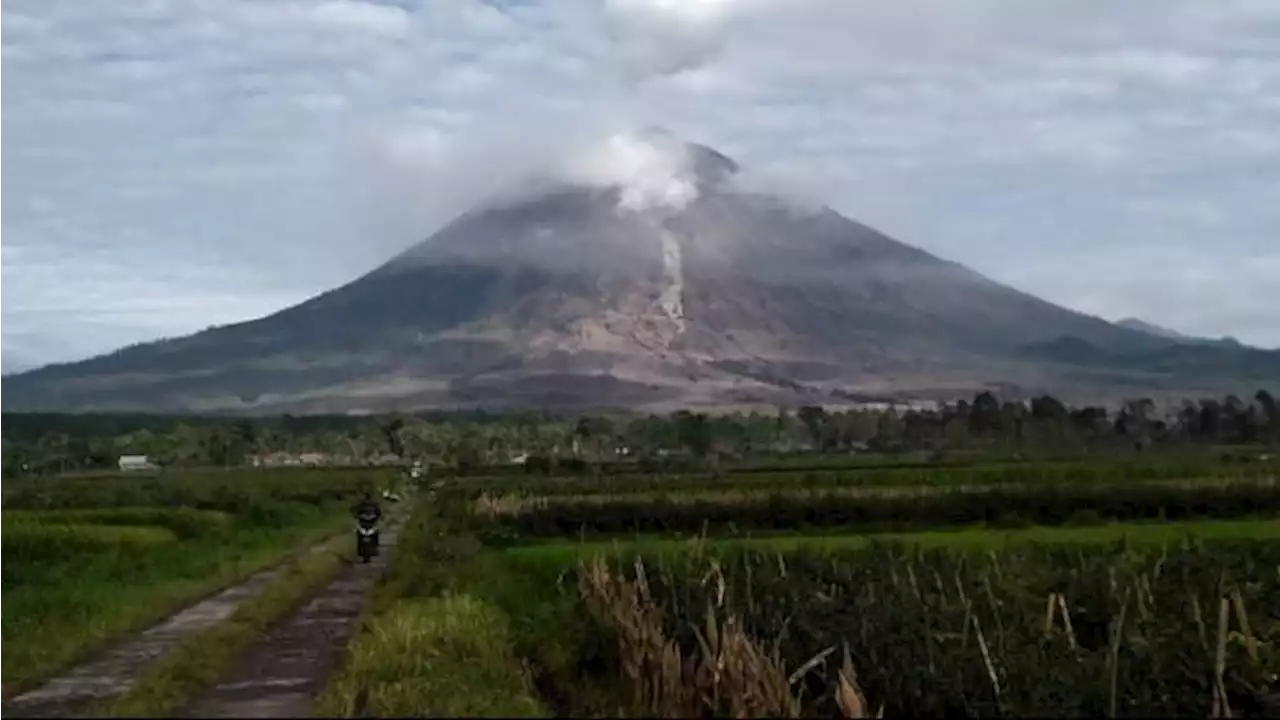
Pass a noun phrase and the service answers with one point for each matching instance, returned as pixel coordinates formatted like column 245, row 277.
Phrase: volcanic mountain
column 673, row 285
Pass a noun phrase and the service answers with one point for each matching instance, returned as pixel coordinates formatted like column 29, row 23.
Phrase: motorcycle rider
column 368, row 513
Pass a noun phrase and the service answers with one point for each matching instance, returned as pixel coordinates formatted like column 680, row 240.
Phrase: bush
column 447, row 656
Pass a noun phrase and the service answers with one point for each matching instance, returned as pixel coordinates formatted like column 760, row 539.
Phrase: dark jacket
column 367, row 513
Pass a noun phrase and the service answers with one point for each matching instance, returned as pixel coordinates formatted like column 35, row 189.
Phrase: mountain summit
column 644, row 276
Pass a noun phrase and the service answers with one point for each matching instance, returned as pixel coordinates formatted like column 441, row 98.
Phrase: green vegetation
column 242, row 491
column 563, row 553
column 1106, row 471
column 116, row 557
column 1027, row 631
column 447, row 656
column 811, row 438
column 982, row 558
column 201, row 660
column 1048, row 505
column 761, row 594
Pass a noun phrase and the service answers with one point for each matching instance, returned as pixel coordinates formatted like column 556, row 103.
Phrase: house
column 386, row 460
column 134, row 463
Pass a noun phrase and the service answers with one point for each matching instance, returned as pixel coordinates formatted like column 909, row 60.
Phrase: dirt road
column 114, row 671
column 281, row 674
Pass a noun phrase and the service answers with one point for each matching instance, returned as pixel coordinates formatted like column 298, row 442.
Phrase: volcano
column 668, row 284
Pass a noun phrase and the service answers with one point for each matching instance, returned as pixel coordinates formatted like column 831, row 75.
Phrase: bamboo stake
column 1242, row 619
column 1066, row 623
column 1220, row 661
column 1115, row 654
column 986, row 660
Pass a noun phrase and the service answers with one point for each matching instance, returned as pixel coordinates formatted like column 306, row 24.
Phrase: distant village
column 143, row 463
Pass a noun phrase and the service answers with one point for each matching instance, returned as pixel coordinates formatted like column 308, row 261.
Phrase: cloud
column 367, row 17
column 652, row 170
column 663, row 37
column 175, row 164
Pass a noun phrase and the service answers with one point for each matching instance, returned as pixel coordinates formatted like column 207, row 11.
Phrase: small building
column 135, row 463
column 312, row 459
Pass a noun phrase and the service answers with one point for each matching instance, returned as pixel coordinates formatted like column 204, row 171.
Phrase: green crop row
column 1108, row 471
column 1009, row 507
column 183, row 522
column 30, row 546
column 229, row 491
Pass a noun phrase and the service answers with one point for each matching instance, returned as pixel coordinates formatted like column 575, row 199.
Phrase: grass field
column 566, row 553
column 86, row 564
column 854, row 476
column 754, row 595
column 203, row 658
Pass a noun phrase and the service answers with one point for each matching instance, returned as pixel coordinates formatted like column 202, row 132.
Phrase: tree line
column 37, row 443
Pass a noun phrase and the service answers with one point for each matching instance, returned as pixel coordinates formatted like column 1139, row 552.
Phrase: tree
column 1047, row 408
column 984, row 414
column 1210, row 425
column 694, row 432
column 391, row 430
column 815, row 419
column 1089, row 420
column 888, row 429
column 1270, row 412
column 594, row 432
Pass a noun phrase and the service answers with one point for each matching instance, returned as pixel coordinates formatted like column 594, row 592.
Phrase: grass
column 198, row 663
column 235, row 491
column 1143, row 534
column 447, row 656
column 183, row 522
column 78, row 580
column 1100, row 471
column 436, row 638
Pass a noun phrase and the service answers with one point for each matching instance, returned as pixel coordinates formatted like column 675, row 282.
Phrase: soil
column 277, row 677
column 114, row 671
column 281, row 675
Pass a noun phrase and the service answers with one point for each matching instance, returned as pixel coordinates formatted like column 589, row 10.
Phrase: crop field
column 1081, row 588
column 826, row 476
column 88, row 560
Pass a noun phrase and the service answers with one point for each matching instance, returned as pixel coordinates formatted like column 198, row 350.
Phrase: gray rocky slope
column 577, row 296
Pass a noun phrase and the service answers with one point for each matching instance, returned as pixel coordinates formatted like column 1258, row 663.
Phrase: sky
column 174, row 164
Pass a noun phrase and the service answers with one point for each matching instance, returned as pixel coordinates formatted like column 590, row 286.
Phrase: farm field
column 855, row 474
column 1135, row 535
column 1154, row 591
column 89, row 560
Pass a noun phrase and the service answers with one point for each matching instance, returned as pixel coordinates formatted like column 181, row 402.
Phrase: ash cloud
column 418, row 178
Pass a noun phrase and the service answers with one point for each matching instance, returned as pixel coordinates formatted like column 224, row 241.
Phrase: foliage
column 75, row 578
column 1037, row 631
column 201, row 659
column 1101, row 471
column 43, row 443
column 1047, row 505
column 232, row 492
column 447, row 656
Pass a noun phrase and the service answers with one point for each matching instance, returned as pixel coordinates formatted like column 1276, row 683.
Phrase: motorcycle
column 366, row 542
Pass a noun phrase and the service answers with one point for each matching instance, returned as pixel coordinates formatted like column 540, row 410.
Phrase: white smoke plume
column 652, row 170
column 414, row 179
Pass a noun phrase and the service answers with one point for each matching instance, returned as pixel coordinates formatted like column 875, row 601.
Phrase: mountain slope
column 1133, row 323
column 1163, row 332
column 688, row 289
